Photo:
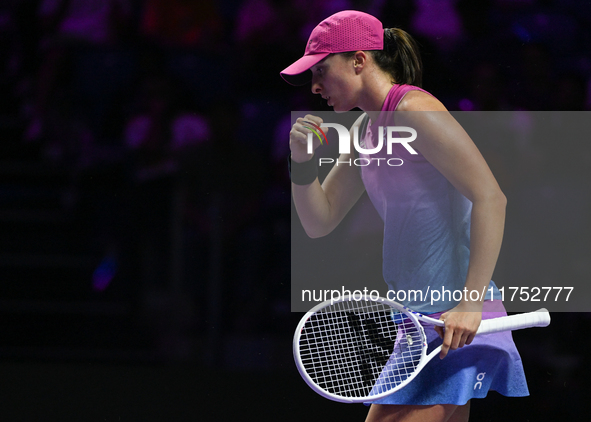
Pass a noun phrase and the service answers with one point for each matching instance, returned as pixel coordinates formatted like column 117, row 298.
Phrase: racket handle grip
column 539, row 318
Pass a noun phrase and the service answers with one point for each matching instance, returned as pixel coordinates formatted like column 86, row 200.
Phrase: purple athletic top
column 426, row 219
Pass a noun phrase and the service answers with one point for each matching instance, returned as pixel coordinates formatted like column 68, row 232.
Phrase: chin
column 338, row 109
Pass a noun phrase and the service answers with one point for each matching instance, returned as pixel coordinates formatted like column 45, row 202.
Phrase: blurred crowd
column 182, row 101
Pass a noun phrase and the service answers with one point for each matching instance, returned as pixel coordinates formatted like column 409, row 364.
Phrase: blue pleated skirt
column 490, row 362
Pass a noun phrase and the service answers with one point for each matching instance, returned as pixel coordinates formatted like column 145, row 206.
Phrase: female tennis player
column 443, row 210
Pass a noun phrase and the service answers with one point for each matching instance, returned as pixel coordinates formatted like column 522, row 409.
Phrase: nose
column 316, row 88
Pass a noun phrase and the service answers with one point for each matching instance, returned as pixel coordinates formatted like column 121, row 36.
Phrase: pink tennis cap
column 344, row 31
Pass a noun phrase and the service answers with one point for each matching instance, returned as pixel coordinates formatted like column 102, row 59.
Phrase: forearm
column 313, row 208
column 322, row 207
column 486, row 235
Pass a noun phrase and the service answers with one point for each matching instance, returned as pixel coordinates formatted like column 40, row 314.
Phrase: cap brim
column 298, row 73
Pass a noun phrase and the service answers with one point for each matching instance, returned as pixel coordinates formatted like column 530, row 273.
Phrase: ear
column 359, row 61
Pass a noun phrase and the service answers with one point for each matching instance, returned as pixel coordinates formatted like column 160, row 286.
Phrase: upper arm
column 447, row 146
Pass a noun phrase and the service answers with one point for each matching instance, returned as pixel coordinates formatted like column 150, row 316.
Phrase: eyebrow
column 321, row 62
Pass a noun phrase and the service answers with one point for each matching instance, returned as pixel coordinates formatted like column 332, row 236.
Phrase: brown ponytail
column 400, row 57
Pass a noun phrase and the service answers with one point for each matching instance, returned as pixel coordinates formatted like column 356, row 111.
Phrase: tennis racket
column 360, row 350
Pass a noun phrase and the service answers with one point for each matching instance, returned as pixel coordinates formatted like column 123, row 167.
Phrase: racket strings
column 359, row 349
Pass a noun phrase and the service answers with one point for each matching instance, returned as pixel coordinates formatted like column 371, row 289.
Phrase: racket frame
column 412, row 316
column 539, row 318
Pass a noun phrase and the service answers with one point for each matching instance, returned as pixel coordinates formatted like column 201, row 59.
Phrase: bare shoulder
column 420, row 101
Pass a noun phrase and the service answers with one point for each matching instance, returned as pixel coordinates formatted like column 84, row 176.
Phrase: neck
column 374, row 94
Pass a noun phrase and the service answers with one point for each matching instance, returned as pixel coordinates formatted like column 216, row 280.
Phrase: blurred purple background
column 145, row 202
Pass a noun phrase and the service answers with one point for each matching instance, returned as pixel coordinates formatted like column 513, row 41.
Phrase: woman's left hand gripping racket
column 356, row 351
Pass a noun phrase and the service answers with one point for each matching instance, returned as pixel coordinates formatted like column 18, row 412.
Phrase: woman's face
column 334, row 79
